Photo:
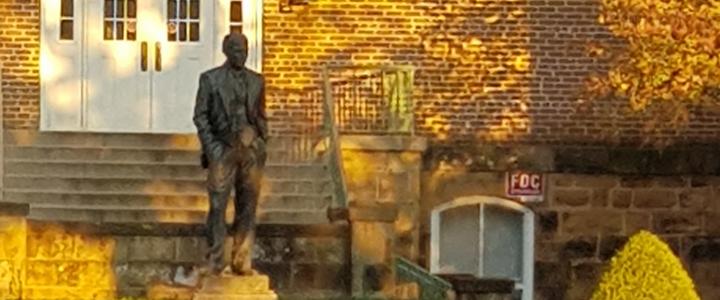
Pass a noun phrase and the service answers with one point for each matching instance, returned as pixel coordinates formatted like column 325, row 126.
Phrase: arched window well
column 487, row 237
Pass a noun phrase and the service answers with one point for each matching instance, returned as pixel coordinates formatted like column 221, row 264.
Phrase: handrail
column 373, row 100
column 431, row 287
column 335, row 153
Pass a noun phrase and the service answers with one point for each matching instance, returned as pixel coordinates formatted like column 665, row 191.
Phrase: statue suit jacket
column 212, row 115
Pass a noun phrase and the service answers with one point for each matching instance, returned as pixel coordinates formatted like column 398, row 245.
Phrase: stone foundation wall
column 53, row 261
column 584, row 219
column 386, row 170
column 302, row 261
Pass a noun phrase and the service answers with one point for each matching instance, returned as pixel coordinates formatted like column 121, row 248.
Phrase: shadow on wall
column 488, row 71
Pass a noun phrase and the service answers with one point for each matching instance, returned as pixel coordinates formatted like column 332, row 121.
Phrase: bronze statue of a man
column 232, row 127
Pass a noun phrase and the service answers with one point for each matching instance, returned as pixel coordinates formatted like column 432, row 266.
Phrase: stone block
column 561, row 180
column 674, row 243
column 280, row 273
column 570, row 197
column 580, row 290
column 548, row 250
column 712, row 223
column 235, row 285
column 695, row 199
column 655, row 198
column 190, row 249
column 705, row 272
column 140, row 274
column 589, row 272
column 636, row 221
column 600, row 197
column 550, row 293
column 50, row 241
column 331, row 250
column 407, row 291
column 580, row 247
column 255, row 287
column 13, row 238
column 547, row 222
column 94, row 248
column 66, row 293
column 552, row 275
column 636, row 182
column 708, row 291
column 621, row 198
column 596, row 181
column 677, row 222
column 598, row 221
column 321, row 276
column 161, row 291
column 304, row 250
column 702, row 249
column 122, row 247
column 702, row 181
column 610, row 245
column 275, row 250
column 151, row 249
column 671, row 181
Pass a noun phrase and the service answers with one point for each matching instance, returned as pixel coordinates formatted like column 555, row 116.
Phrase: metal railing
column 372, row 100
column 351, row 100
column 431, row 287
column 334, row 153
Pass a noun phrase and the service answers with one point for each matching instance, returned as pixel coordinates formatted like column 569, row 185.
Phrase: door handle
column 143, row 56
column 158, row 57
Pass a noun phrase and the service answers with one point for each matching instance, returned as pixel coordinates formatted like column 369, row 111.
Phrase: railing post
column 335, row 153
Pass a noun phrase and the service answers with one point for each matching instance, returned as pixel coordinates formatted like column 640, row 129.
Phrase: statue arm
column 201, row 116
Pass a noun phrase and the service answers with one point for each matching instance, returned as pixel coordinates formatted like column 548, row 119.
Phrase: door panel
column 118, row 89
column 181, row 54
column 61, row 65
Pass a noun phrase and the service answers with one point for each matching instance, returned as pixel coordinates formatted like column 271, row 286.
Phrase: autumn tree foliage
column 671, row 56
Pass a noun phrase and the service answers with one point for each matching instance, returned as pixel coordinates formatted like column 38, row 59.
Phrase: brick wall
column 19, row 57
column 499, row 71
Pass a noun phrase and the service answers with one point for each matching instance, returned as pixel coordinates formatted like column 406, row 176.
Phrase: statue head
column 235, row 48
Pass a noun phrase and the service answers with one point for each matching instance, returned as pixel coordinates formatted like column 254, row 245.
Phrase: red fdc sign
column 524, row 184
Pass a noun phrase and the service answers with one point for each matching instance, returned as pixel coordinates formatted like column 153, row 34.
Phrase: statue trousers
column 239, row 166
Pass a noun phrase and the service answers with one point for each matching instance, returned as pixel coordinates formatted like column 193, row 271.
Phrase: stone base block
column 236, row 297
column 162, row 291
column 66, row 293
column 235, row 288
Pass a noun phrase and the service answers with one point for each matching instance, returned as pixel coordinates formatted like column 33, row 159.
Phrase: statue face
column 236, row 51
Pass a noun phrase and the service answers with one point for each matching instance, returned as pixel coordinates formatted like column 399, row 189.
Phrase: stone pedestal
column 372, row 244
column 235, row 288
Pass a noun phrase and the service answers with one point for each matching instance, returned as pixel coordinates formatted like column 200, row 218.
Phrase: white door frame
column 252, row 28
column 67, row 60
column 528, row 236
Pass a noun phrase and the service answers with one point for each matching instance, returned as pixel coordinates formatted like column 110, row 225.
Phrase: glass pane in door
column 502, row 242
column 459, row 240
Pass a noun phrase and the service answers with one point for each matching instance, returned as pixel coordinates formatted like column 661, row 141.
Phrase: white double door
column 143, row 62
column 134, row 65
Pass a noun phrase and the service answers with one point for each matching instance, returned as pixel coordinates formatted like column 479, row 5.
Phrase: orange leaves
column 673, row 52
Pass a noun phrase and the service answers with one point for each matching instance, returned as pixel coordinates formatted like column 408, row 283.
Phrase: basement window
column 487, row 237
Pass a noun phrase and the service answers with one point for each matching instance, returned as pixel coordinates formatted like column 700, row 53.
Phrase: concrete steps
column 86, row 177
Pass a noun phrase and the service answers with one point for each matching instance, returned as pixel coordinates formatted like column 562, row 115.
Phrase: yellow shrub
column 645, row 269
